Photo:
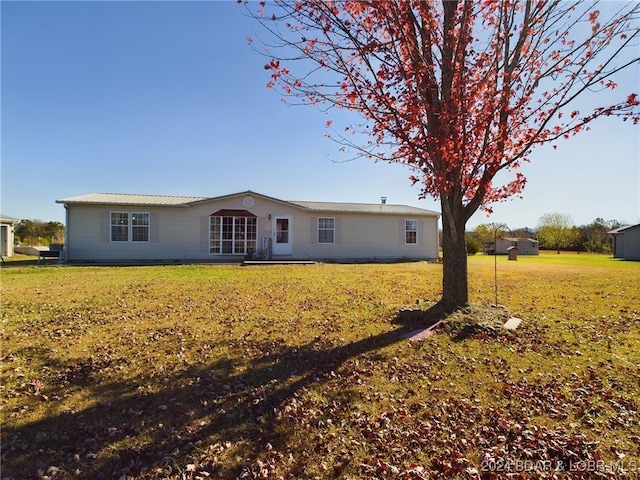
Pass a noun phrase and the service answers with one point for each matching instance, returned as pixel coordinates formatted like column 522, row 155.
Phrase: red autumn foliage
column 456, row 90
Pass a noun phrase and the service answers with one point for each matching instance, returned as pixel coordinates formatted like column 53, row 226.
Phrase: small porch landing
column 278, row 262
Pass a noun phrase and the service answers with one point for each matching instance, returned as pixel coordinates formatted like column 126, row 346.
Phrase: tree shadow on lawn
column 219, row 417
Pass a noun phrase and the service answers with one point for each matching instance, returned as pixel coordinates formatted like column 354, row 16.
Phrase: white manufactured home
column 525, row 246
column 103, row 227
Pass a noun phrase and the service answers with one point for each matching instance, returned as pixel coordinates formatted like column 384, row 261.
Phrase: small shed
column 513, row 253
column 7, row 239
column 626, row 242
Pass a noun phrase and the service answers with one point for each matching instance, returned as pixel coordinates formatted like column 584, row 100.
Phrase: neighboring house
column 7, row 239
column 104, row 227
column 525, row 246
column 626, row 242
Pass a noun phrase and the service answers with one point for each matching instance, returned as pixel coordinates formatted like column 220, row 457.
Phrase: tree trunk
column 455, row 292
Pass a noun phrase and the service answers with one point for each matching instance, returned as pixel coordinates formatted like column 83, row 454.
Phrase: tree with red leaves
column 457, row 90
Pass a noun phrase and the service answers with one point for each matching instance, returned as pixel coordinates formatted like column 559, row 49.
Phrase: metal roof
column 173, row 201
column 131, row 199
column 8, row 219
column 518, row 239
column 387, row 208
column 622, row 229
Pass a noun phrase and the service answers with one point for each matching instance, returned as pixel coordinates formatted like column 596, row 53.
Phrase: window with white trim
column 232, row 235
column 411, row 232
column 129, row 227
column 326, row 230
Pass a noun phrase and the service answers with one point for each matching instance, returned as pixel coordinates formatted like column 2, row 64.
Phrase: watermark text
column 520, row 466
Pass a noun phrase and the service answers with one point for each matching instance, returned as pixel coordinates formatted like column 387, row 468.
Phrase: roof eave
column 125, row 204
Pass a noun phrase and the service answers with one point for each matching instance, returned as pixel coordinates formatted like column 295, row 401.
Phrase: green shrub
column 473, row 245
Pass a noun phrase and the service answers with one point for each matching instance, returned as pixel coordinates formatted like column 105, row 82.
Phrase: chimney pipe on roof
column 383, row 200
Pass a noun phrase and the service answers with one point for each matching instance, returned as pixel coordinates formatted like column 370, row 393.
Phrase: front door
column 282, row 235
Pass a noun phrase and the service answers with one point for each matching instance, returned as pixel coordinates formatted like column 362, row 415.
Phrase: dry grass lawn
column 205, row 371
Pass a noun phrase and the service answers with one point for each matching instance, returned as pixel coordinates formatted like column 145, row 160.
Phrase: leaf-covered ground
column 304, row 372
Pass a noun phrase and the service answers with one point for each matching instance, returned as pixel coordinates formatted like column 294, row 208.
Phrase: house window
column 326, row 230
column 139, row 227
column 119, row 226
column 129, row 227
column 232, row 235
column 411, row 232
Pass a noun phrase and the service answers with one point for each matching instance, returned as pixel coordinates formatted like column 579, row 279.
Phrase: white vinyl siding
column 366, row 237
column 326, row 230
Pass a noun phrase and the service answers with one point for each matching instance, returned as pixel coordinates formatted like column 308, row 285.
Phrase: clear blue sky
column 168, row 98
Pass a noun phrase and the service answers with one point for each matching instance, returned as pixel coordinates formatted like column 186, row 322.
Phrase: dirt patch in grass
column 303, row 372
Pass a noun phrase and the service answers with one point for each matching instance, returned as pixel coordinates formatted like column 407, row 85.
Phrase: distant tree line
column 37, row 232
column 595, row 237
column 555, row 231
